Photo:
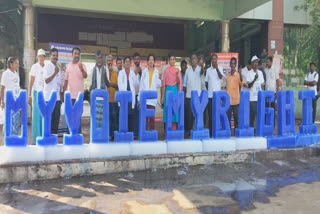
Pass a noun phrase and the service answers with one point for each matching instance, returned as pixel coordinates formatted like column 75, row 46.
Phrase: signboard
column 64, row 58
column 224, row 61
column 65, row 51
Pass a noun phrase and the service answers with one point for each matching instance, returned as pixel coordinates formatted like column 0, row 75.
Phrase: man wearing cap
column 76, row 72
column 36, row 84
column 255, row 82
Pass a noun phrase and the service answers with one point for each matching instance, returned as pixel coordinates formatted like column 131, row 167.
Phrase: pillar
column 28, row 40
column 225, row 40
column 275, row 29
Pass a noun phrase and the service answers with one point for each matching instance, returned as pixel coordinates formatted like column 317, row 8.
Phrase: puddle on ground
column 223, row 188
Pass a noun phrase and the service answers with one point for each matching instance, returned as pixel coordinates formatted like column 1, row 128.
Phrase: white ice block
column 63, row 152
column 108, row 150
column 219, row 145
column 186, row 146
column 30, row 153
column 148, row 148
column 250, row 143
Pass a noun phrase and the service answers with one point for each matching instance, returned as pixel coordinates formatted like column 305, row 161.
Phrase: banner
column 224, row 61
column 65, row 51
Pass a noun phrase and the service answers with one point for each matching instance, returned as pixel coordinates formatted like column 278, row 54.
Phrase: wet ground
column 271, row 187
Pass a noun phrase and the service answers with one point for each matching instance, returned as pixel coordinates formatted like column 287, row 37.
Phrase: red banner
column 224, row 61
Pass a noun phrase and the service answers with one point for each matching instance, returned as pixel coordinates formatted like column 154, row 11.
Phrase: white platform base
column 152, row 148
column 250, row 143
column 186, row 146
column 219, row 145
column 62, row 152
column 21, row 154
column 109, row 150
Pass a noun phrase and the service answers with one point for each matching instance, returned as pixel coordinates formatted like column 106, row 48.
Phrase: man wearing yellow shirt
column 112, row 85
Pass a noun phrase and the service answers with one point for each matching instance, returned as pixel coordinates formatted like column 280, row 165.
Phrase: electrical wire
column 7, row 11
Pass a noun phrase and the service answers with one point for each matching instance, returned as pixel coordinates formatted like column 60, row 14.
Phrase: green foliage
column 298, row 52
column 301, row 43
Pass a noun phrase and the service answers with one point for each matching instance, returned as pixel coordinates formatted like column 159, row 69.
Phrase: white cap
column 254, row 58
column 41, row 52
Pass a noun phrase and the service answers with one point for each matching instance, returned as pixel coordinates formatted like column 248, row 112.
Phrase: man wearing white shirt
column 311, row 82
column 192, row 82
column 272, row 79
column 99, row 81
column 36, row 85
column 52, row 83
column 255, row 81
column 214, row 76
column 244, row 73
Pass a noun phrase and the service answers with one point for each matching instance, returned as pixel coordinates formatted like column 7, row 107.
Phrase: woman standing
column 127, row 81
column 36, row 85
column 10, row 81
column 171, row 82
column 150, row 81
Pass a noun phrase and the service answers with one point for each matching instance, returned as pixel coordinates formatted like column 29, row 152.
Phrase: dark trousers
column 210, row 115
column 235, row 110
column 55, row 118
column 136, row 118
column 114, row 117
column 253, row 112
column 314, row 108
column 150, row 120
column 188, row 115
column 130, row 118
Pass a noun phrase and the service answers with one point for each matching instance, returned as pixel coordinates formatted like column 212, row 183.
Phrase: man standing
column 272, row 79
column 184, row 67
column 311, row 82
column 192, row 82
column 112, row 85
column 244, row 73
column 214, row 76
column 138, row 72
column 233, row 81
column 36, row 85
column 52, row 84
column 119, row 64
column 255, row 83
column 99, row 81
column 76, row 72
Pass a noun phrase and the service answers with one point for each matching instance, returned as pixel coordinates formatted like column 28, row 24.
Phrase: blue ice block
column 286, row 120
column 265, row 116
column 99, row 134
column 175, row 105
column 198, row 106
column 307, row 127
column 244, row 129
column 144, row 135
column 73, row 116
column 16, row 105
column 220, row 121
column 46, row 109
column 123, row 136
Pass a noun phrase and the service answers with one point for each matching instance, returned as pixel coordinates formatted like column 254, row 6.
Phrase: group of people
column 51, row 77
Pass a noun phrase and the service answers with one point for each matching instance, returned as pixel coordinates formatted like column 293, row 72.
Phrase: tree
column 312, row 33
